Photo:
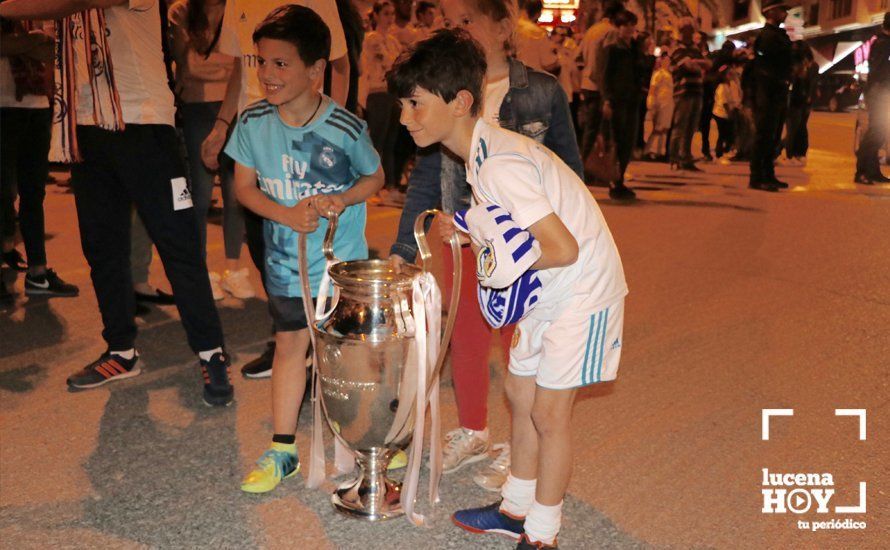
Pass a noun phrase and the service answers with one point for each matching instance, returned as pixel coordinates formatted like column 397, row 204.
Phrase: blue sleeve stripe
column 510, row 233
column 523, row 248
column 346, row 130
column 502, row 218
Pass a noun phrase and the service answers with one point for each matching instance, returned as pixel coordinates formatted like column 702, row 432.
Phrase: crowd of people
column 301, row 111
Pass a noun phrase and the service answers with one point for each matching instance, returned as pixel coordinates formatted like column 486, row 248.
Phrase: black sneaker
column 525, row 544
column 763, row 186
column 260, row 367
column 218, row 391
column 49, row 284
column 14, row 259
column 107, row 368
column 622, row 193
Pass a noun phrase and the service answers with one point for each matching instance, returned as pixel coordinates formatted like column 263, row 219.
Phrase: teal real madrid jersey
column 293, row 163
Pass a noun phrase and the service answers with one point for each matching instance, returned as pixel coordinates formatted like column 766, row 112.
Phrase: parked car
column 838, row 91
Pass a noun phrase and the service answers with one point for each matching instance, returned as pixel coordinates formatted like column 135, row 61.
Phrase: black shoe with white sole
column 49, row 284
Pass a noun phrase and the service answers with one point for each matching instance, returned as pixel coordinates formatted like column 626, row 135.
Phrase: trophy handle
column 328, row 246
column 425, row 255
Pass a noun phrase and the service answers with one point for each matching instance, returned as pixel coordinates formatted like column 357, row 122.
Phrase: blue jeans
column 197, row 122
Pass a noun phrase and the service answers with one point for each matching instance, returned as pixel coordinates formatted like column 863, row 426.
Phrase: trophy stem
column 372, row 496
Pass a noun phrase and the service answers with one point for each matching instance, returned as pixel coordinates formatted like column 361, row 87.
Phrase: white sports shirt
column 236, row 39
column 530, row 182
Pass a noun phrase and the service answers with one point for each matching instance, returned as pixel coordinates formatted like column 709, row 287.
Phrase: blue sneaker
column 489, row 519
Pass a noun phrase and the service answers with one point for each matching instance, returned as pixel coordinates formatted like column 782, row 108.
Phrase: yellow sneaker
column 277, row 463
column 398, row 461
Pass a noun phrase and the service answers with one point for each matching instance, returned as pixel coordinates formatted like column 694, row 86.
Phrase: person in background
column 799, row 105
column 868, row 169
column 25, row 135
column 622, row 88
column 660, row 102
column 425, row 13
column 591, row 109
column 379, row 52
column 688, row 67
column 533, row 47
column 709, row 87
column 354, row 33
column 566, row 51
column 646, row 46
column 727, row 101
column 202, row 73
column 770, row 78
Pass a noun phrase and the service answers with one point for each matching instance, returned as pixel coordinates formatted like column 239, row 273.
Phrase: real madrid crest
column 326, row 158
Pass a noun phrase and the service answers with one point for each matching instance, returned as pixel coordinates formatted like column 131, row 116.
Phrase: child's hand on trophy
column 302, row 217
column 326, row 205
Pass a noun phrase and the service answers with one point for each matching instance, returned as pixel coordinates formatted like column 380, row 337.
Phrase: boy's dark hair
column 446, row 63
column 423, row 6
column 300, row 26
column 533, row 8
column 613, row 8
column 624, row 17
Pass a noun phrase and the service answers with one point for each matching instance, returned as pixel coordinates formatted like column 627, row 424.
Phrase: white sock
column 207, row 355
column 129, row 354
column 518, row 495
column 542, row 522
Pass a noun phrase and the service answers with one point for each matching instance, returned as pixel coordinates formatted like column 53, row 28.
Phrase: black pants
column 770, row 106
column 725, row 135
column 382, row 115
column 24, row 167
column 867, row 163
column 797, row 139
column 625, row 114
column 704, row 125
column 138, row 166
column 591, row 113
column 687, row 113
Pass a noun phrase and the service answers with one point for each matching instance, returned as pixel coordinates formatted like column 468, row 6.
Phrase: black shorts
column 287, row 313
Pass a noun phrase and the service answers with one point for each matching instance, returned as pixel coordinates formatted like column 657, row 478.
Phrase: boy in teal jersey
column 299, row 157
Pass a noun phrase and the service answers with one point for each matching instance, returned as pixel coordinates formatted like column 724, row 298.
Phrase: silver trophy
column 368, row 381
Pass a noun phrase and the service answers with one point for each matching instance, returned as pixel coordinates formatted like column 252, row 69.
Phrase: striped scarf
column 107, row 113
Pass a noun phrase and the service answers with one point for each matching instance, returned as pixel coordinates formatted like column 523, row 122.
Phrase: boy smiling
column 573, row 337
column 298, row 156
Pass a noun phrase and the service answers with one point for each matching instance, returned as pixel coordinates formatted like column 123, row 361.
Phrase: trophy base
column 369, row 499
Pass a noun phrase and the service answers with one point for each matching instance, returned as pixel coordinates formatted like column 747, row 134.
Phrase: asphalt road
column 739, row 301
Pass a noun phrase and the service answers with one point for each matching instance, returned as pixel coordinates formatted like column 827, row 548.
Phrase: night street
column 739, row 301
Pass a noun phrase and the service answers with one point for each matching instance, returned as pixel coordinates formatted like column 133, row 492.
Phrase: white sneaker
column 238, row 284
column 218, row 293
column 462, row 447
column 493, row 477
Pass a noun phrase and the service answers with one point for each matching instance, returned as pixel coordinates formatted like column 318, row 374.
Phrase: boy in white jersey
column 572, row 338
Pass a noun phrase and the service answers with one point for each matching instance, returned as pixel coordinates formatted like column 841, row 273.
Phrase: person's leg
column 719, row 148
column 379, row 116
column 103, row 216
column 592, row 112
column 197, row 121
column 288, row 386
column 625, row 125
column 172, row 226
column 695, row 109
column 33, row 169
column 140, row 255
column 704, row 125
column 10, row 121
column 804, row 136
column 679, row 122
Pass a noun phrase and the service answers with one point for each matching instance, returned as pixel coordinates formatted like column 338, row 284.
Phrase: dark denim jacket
column 535, row 106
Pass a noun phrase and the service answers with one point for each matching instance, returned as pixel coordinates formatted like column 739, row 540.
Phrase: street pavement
column 739, row 301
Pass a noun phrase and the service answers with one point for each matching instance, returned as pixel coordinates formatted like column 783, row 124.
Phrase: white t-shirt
column 236, row 39
column 134, row 40
column 492, row 98
column 530, row 182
